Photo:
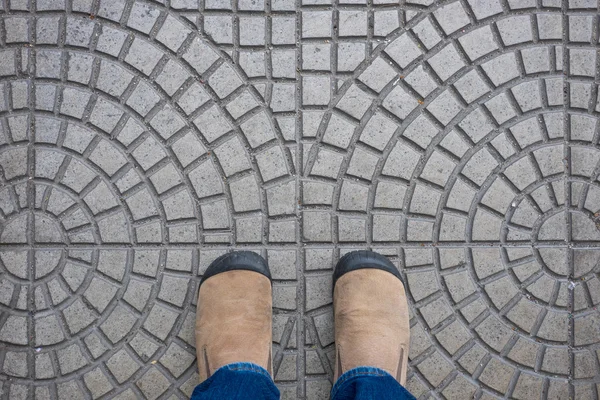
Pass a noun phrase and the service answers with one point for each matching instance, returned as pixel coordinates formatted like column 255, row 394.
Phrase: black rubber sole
column 238, row 260
column 362, row 259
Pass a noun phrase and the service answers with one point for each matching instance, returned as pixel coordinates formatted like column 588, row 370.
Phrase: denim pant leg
column 368, row 383
column 239, row 381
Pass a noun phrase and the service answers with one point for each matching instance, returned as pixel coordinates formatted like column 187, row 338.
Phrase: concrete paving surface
column 140, row 140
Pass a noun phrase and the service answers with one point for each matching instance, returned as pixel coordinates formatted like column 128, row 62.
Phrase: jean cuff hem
column 246, row 367
column 355, row 372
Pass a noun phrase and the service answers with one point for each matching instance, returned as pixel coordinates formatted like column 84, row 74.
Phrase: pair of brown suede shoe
column 233, row 321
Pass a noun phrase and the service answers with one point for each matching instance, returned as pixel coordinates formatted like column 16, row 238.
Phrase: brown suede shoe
column 233, row 319
column 371, row 315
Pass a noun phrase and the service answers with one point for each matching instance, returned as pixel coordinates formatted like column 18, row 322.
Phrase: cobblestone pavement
column 460, row 138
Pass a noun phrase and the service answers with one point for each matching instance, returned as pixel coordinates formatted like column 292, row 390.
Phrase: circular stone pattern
column 455, row 151
column 132, row 154
column 140, row 140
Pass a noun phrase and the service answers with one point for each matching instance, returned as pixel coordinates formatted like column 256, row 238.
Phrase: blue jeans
column 249, row 381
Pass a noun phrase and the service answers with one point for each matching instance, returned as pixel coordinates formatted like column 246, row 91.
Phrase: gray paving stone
column 476, row 125
column 258, row 130
column 284, row 97
column 160, row 321
column 386, row 228
column 48, row 64
column 245, row 194
column 401, row 152
column 111, row 9
column 282, row 231
column 79, row 31
column 118, row 324
column 122, row 366
column 253, row 63
column 252, row 31
column 403, row 50
column 478, row 42
column 283, row 30
column 7, row 66
column 550, row 26
column 580, row 28
column 271, row 163
column 535, row 60
column 200, row 56
column 386, row 21
column 153, row 383
column 435, row 368
column 446, row 62
column 208, row 145
column 353, row 196
column 378, row 80
column 313, row 93
column 51, row 5
column 224, row 81
column 501, row 69
column 421, row 81
column 471, row 86
column 451, row 17
column 70, row 359
column 515, row 30
column 426, row 33
column 47, row 331
column 497, row 375
column 113, row 79
column 354, row 102
column 445, row 107
column 485, row 8
column 97, row 383
column 17, row 30
column 317, row 193
column 249, row 230
column 362, row 164
column 143, row 98
column 339, row 131
column 239, row 106
column 111, row 41
column 14, row 330
column 219, row 27
column 176, row 359
column 316, row 24
column 317, row 226
column 327, row 164
column 316, row 56
column 283, row 263
column 167, row 122
column 378, row 131
column 582, row 62
column 15, row 364
column 390, row 195
column 351, row 229
column 500, row 108
column 143, row 346
column 352, row 23
column 400, row 102
column 74, row 102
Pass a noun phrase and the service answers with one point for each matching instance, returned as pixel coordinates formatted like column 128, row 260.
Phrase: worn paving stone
column 459, row 138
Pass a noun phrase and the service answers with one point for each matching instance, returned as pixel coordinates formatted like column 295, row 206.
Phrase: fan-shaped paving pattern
column 123, row 146
column 468, row 164
column 458, row 137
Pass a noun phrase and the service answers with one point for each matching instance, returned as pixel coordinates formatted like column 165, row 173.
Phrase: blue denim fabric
column 237, row 381
column 249, row 381
column 368, row 383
